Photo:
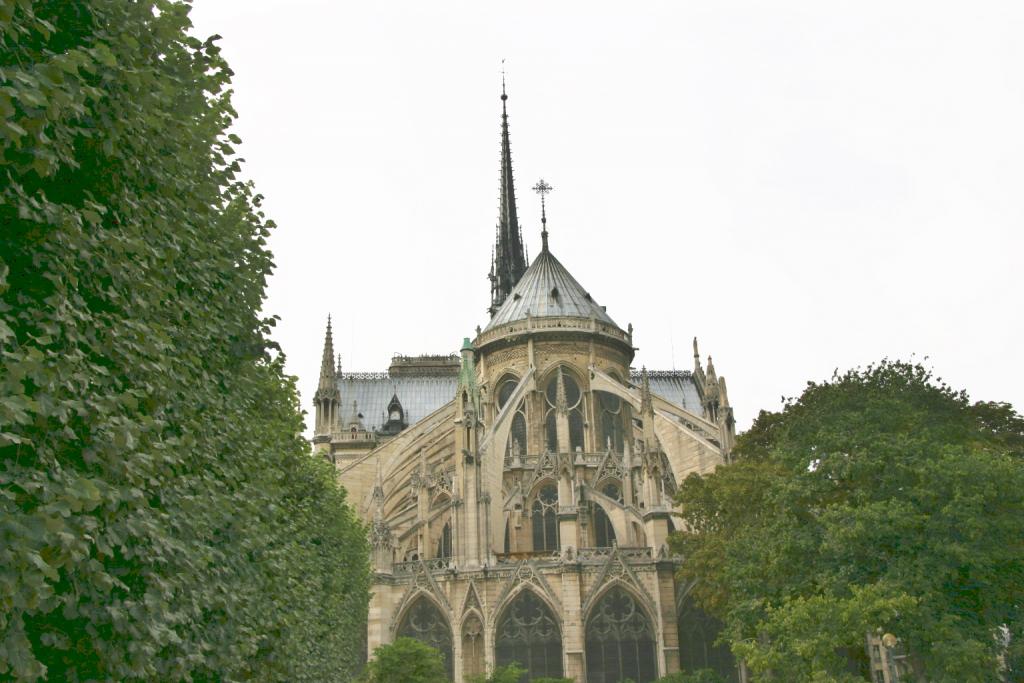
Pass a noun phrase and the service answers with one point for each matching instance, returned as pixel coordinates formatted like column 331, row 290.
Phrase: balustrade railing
column 560, row 323
column 583, row 555
column 639, row 553
column 435, row 564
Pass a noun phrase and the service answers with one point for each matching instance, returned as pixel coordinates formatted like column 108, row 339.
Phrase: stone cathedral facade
column 520, row 493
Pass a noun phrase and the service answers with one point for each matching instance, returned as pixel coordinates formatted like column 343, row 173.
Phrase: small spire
column 542, row 188
column 646, row 403
column 327, row 369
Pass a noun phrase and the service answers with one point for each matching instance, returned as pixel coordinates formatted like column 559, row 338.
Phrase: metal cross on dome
column 542, row 188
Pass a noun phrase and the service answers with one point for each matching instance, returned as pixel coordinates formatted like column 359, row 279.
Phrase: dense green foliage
column 700, row 676
column 406, row 660
column 879, row 500
column 161, row 517
column 503, row 674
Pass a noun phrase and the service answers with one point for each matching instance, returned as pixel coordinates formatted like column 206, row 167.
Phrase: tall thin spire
column 509, row 262
column 327, row 367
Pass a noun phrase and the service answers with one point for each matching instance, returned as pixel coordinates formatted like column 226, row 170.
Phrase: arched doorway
column 425, row 622
column 528, row 634
column 620, row 641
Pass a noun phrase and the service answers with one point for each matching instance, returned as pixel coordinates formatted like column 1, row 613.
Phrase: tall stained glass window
column 528, row 635
column 562, row 385
column 517, row 436
column 424, row 622
column 544, row 519
column 620, row 641
column 698, row 632
column 444, row 543
column 609, row 421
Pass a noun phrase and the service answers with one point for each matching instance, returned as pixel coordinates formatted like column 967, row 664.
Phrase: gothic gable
column 616, row 570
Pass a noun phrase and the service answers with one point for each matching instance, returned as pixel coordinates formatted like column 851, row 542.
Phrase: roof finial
column 503, row 95
column 542, row 188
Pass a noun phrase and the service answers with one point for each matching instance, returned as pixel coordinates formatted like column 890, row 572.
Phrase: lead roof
column 421, row 396
column 547, row 289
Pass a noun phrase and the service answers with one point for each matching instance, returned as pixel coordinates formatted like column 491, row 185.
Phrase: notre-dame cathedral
column 519, row 494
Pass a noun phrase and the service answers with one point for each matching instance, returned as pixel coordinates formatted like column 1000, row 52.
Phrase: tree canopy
column 161, row 517
column 882, row 499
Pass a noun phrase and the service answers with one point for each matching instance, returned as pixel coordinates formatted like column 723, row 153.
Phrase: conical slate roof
column 547, row 289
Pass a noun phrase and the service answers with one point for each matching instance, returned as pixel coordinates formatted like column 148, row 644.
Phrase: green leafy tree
column 161, row 517
column 699, row 676
column 406, row 660
column 513, row 673
column 881, row 499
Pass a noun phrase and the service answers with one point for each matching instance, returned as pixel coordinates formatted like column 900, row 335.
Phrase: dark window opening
column 697, row 650
column 551, row 432
column 610, row 421
column 528, row 634
column 620, row 642
column 444, row 544
column 604, row 532
column 424, row 622
column 575, row 431
column 545, row 519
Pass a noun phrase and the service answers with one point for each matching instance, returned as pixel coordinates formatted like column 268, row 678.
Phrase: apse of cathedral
column 519, row 494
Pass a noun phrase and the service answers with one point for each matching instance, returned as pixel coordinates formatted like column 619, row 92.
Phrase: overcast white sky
column 801, row 185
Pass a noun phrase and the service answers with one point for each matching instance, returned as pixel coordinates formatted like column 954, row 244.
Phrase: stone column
column 666, row 598
column 573, row 639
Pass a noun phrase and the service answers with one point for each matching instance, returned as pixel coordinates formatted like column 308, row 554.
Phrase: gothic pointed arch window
column 604, row 532
column 563, row 392
column 517, row 436
column 698, row 632
column 620, row 640
column 425, row 622
column 528, row 634
column 610, row 421
column 544, row 518
column 444, row 542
